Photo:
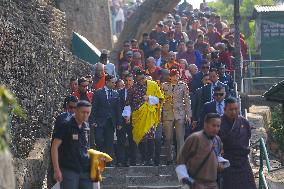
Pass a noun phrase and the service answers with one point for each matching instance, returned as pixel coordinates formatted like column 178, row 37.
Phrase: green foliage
column 8, row 103
column 277, row 127
column 225, row 8
column 251, row 38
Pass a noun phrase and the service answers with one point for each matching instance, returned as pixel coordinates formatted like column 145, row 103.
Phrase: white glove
column 153, row 100
column 126, row 111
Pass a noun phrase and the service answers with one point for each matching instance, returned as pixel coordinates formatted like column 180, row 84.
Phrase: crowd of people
column 174, row 88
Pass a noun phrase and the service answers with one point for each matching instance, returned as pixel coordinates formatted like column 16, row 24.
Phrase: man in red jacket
column 83, row 93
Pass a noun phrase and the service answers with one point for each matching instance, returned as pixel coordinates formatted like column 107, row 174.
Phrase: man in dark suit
column 208, row 90
column 205, row 94
column 226, row 78
column 196, row 79
column 106, row 115
column 215, row 106
column 124, row 135
column 196, row 106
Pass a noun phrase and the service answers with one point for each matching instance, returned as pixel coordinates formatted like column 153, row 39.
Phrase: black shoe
column 157, row 163
column 125, row 165
column 144, row 163
column 150, row 162
column 170, row 162
column 119, row 164
column 109, row 165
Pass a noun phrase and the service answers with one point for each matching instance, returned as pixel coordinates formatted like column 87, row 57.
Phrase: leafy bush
column 277, row 127
column 8, row 103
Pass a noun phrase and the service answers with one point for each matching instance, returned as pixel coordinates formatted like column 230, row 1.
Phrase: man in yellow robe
column 143, row 106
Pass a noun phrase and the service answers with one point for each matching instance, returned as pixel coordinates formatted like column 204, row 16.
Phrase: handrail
column 264, row 183
column 263, row 152
column 250, row 78
column 259, row 61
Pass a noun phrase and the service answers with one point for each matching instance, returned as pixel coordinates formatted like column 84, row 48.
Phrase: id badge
column 75, row 137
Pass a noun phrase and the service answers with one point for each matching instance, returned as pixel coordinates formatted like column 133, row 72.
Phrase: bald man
column 172, row 64
column 152, row 70
column 99, row 76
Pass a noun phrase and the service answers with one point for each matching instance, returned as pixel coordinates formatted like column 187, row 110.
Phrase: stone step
column 154, row 187
column 140, row 177
column 138, row 171
column 142, row 187
column 160, row 180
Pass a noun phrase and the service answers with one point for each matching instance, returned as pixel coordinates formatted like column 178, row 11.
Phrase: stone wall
column 89, row 18
column 35, row 65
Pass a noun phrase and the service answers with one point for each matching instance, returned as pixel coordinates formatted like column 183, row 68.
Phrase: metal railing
column 263, row 156
column 261, row 74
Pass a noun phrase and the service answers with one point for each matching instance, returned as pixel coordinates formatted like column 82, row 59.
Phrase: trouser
column 168, row 128
column 104, row 138
column 205, row 185
column 74, row 180
column 146, row 148
column 158, row 143
column 124, row 151
column 50, row 173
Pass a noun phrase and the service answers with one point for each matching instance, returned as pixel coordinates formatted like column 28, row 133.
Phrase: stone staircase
column 139, row 177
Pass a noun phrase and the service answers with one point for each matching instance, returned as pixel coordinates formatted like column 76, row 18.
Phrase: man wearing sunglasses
column 69, row 106
column 105, row 116
column 197, row 78
column 83, row 92
column 215, row 106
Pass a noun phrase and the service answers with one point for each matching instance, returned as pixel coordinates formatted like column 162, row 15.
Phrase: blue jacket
column 208, row 107
column 104, row 109
column 198, row 59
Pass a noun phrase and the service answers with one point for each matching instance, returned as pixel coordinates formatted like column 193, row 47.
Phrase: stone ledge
column 30, row 172
column 264, row 111
column 275, row 180
column 7, row 180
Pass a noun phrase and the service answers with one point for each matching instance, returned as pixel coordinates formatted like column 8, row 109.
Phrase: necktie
column 212, row 92
column 109, row 95
column 220, row 108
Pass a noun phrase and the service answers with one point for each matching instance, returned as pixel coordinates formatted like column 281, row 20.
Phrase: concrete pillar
column 90, row 18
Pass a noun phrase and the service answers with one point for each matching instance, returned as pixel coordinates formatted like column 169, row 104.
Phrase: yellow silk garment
column 98, row 160
column 147, row 115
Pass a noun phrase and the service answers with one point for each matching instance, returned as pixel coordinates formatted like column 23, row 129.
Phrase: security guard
column 71, row 161
column 176, row 110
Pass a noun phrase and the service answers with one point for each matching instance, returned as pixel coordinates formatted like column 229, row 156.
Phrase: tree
column 7, row 100
column 143, row 20
column 225, row 7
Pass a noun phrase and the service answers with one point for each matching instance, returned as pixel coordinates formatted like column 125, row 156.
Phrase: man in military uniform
column 176, row 110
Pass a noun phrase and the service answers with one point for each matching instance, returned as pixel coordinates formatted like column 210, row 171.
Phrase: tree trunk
column 143, row 20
